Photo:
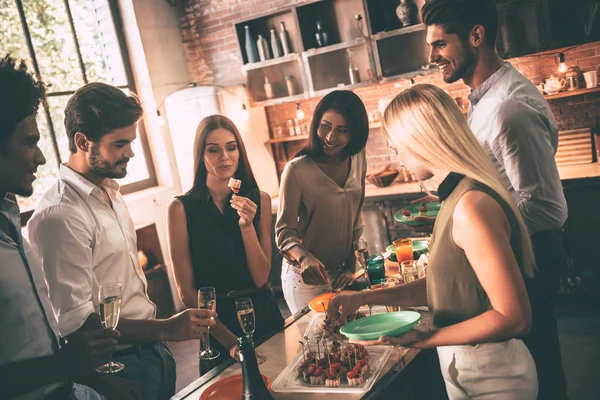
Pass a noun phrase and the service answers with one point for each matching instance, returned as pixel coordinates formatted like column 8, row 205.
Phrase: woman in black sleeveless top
column 223, row 240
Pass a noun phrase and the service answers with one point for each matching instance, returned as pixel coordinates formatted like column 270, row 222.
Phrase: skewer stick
column 303, row 351
column 323, row 304
column 318, row 351
column 307, row 344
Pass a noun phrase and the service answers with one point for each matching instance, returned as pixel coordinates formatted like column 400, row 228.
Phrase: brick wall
column 570, row 113
column 214, row 58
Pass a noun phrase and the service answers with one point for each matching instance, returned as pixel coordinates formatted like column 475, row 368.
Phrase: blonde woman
column 480, row 253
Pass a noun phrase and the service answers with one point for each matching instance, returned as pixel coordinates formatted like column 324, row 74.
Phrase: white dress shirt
column 82, row 243
column 28, row 325
column 514, row 124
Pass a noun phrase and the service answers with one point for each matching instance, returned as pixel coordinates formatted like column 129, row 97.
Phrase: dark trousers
column 542, row 341
column 153, row 366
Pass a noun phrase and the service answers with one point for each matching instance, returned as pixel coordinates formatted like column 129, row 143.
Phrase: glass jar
column 409, row 271
column 376, row 270
column 574, row 78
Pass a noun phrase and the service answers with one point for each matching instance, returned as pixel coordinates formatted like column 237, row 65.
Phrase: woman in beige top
column 320, row 201
column 480, row 254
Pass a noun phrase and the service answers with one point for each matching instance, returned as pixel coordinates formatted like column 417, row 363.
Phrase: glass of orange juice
column 403, row 249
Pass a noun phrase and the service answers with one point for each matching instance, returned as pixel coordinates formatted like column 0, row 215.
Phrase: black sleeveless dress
column 219, row 260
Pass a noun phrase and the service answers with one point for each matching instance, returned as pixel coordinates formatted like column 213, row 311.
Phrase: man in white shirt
column 85, row 236
column 33, row 365
column 514, row 124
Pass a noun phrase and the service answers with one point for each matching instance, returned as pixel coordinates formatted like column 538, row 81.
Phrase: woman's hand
column 344, row 279
column 246, row 209
column 414, row 339
column 313, row 271
column 349, row 302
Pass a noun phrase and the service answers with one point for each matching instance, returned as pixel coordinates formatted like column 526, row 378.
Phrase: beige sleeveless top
column 454, row 293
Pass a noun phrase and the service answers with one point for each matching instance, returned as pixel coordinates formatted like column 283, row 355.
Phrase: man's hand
column 87, row 350
column 192, row 323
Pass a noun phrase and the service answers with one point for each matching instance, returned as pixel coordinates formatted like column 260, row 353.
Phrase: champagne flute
column 207, row 300
column 245, row 312
column 109, row 297
column 361, row 251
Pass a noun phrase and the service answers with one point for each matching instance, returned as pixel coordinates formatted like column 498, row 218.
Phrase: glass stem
column 208, row 340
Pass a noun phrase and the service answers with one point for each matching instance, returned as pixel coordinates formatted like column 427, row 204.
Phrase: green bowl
column 385, row 324
column 419, row 247
column 432, row 211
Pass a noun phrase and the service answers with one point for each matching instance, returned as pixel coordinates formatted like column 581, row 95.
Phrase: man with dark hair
column 33, row 365
column 85, row 236
column 514, row 123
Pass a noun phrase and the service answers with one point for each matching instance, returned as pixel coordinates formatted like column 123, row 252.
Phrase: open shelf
column 330, row 70
column 572, row 93
column 271, row 62
column 278, row 76
column 401, row 54
column 383, row 18
column 286, row 139
column 323, row 92
column 262, row 26
column 333, row 47
column 398, row 32
column 280, row 100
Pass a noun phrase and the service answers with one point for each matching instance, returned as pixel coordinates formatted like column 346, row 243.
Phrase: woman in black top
column 223, row 240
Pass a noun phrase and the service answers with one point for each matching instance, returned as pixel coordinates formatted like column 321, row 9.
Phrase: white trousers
column 296, row 293
column 489, row 371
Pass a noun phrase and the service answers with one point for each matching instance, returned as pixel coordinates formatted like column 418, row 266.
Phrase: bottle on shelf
column 277, row 52
column 268, row 88
column 284, row 36
column 263, row 49
column 353, row 69
column 253, row 386
column 290, row 84
column 321, row 35
column 251, row 51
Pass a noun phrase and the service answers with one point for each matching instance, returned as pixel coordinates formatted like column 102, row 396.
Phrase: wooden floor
column 579, row 328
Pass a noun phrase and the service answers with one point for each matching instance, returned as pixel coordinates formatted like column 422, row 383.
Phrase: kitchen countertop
column 282, row 348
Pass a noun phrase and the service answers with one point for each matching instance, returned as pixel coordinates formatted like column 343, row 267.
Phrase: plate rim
column 204, row 395
column 382, row 333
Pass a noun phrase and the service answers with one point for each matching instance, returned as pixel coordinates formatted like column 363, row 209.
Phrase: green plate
column 433, row 210
column 385, row 324
column 419, row 247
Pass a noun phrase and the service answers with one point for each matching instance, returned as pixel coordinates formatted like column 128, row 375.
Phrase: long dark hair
column 243, row 172
column 351, row 107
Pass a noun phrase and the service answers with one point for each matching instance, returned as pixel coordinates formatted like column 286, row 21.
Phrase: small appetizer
column 235, row 185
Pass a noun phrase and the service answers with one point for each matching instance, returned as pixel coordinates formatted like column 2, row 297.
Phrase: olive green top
column 454, row 293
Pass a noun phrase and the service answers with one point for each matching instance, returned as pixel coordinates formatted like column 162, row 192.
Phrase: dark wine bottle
column 254, row 387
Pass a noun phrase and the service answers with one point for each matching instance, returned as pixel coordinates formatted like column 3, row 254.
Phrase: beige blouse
column 317, row 213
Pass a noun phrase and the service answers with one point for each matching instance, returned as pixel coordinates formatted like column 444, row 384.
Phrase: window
column 69, row 43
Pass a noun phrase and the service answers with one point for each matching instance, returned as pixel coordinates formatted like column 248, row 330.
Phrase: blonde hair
column 439, row 137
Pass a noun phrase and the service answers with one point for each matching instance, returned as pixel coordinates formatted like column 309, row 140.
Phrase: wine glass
column 361, row 251
column 109, row 297
column 207, row 300
column 245, row 312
